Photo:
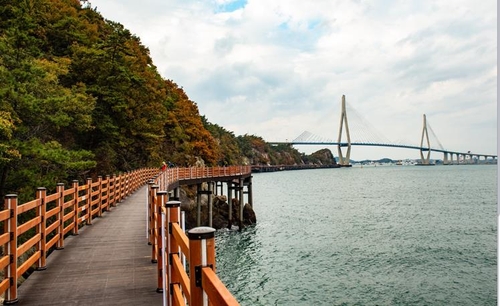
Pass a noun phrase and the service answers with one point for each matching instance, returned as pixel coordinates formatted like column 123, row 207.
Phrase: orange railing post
column 160, row 201
column 64, row 211
column 151, row 198
column 60, row 204
column 59, row 214
column 89, row 201
column 42, row 244
column 172, row 247
column 105, row 193
column 112, row 191
column 201, row 254
column 148, row 211
column 152, row 225
column 75, row 208
column 11, row 270
column 99, row 212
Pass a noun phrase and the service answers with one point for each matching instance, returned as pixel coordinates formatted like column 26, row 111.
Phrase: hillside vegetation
column 81, row 97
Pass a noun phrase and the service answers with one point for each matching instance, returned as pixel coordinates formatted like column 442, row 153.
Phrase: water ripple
column 380, row 236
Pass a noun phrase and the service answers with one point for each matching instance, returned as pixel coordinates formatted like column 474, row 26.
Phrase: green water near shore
column 367, row 236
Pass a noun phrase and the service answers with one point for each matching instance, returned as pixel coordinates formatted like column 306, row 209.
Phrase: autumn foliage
column 81, row 97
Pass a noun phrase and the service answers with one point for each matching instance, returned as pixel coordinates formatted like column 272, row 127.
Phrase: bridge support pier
column 425, row 135
column 445, row 158
column 343, row 120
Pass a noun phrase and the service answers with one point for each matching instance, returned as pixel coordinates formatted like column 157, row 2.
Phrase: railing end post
column 201, row 232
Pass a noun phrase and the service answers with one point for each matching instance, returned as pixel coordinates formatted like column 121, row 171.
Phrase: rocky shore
column 220, row 211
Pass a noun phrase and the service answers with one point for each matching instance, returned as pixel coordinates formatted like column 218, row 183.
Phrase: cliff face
column 289, row 156
column 323, row 157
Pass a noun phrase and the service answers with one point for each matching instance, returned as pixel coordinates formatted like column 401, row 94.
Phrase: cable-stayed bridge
column 366, row 135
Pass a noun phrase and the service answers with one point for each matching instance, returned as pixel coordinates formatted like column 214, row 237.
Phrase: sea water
column 392, row 235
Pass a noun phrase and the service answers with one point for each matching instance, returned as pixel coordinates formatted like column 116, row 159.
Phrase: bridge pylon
column 425, row 135
column 343, row 119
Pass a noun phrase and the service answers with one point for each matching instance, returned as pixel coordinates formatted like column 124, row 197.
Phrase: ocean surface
column 386, row 235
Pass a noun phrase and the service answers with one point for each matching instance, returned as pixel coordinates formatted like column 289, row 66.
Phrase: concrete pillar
column 198, row 205
column 250, row 195
column 210, row 203
column 242, row 203
column 230, row 203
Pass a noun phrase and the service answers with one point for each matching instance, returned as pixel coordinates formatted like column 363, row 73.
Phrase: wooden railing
column 172, row 176
column 169, row 242
column 33, row 229
column 55, row 215
column 198, row 248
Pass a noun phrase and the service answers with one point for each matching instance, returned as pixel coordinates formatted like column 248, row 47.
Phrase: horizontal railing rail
column 47, row 219
column 171, row 177
column 202, row 286
column 33, row 229
column 169, row 243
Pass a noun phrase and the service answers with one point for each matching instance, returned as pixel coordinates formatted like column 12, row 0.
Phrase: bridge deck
column 108, row 263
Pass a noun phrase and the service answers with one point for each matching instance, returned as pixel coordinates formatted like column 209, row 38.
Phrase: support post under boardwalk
column 242, row 203
column 198, row 204
column 249, row 191
column 176, row 194
column 230, row 203
column 210, row 203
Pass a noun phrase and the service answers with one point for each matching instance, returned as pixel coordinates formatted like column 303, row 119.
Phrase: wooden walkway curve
column 108, row 263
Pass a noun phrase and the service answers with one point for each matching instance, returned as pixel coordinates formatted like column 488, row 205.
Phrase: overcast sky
column 278, row 68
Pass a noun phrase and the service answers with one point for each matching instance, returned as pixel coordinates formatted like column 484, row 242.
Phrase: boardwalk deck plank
column 108, row 263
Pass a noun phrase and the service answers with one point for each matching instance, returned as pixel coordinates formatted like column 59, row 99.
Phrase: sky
column 276, row 69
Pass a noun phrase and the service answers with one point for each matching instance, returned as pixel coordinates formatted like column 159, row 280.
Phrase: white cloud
column 277, row 68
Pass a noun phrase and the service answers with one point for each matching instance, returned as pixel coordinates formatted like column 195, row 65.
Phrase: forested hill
column 81, row 97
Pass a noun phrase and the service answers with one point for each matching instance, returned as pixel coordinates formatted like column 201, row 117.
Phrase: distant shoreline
column 274, row 168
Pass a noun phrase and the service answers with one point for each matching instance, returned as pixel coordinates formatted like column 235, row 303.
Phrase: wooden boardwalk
column 108, row 263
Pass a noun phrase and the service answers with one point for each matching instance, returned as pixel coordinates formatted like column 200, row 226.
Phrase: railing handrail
column 168, row 240
column 172, row 176
column 175, row 282
column 57, row 214
column 68, row 209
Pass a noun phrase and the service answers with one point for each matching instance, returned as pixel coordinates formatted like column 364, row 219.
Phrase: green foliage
column 46, row 164
column 186, row 138
column 230, row 151
column 80, row 96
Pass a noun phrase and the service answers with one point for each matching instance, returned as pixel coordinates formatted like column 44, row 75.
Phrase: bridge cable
column 434, row 137
column 362, row 131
